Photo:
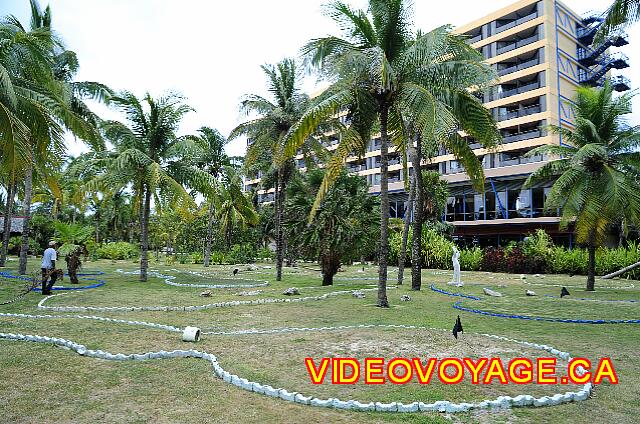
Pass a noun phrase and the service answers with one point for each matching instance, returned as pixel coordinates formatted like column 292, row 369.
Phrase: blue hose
column 458, row 305
column 84, row 275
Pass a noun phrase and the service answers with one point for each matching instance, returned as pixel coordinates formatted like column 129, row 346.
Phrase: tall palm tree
column 270, row 121
column 386, row 76
column 598, row 167
column 620, row 15
column 210, row 156
column 39, row 83
column 147, row 156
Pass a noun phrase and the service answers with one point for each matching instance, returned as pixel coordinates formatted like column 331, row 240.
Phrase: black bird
column 564, row 292
column 235, row 271
column 457, row 328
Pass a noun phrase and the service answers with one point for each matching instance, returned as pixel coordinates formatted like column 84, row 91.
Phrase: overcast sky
column 211, row 51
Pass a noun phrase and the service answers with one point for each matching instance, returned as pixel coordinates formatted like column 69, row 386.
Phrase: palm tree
column 385, row 76
column 598, row 166
column 147, row 156
column 211, row 157
column 346, row 220
column 233, row 206
column 73, row 237
column 271, row 120
column 618, row 16
column 38, row 84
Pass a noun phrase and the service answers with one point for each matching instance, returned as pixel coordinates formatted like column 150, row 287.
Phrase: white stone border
column 188, row 308
column 168, row 279
column 251, row 386
column 96, row 318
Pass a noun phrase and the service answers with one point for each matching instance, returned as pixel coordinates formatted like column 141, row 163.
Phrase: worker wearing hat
column 48, row 267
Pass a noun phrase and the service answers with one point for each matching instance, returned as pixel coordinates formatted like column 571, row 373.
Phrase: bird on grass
column 457, row 328
column 564, row 292
column 235, row 271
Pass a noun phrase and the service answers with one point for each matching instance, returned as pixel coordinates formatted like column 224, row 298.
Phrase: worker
column 48, row 268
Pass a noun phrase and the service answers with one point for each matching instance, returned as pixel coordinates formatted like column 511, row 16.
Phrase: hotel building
column 542, row 51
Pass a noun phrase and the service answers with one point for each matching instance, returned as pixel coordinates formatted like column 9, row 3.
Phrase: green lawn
column 44, row 383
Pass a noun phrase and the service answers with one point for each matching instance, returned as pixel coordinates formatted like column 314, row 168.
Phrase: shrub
column 612, row 260
column 395, row 243
column 15, row 243
column 197, row 258
column 494, row 260
column 538, row 249
column 265, row 253
column 241, row 254
column 564, row 261
column 516, row 261
column 183, row 258
column 118, row 251
column 436, row 250
column 471, row 259
column 217, row 258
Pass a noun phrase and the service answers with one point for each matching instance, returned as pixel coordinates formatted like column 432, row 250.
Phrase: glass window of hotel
column 469, row 207
column 490, row 205
column 519, row 203
column 478, row 207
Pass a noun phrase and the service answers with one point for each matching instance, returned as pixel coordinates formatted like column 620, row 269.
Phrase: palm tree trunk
column 418, row 218
column 405, row 230
column 144, row 237
column 591, row 272
column 11, row 187
column 330, row 263
column 24, row 247
column 207, row 251
column 279, row 230
column 383, row 302
column 228, row 235
column 97, row 219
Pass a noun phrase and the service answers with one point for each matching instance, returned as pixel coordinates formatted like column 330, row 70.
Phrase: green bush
column 241, row 254
column 118, row 251
column 537, row 254
column 612, row 260
column 395, row 243
column 470, row 259
column 183, row 258
column 15, row 243
column 436, row 250
column 217, row 258
column 197, row 258
column 266, row 254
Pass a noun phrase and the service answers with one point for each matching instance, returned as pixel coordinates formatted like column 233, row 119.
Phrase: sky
column 211, row 51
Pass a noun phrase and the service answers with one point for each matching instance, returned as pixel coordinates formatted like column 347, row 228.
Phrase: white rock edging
column 187, row 308
column 440, row 406
column 96, row 318
column 168, row 279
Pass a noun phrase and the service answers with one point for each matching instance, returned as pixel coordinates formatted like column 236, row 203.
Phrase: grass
column 43, row 383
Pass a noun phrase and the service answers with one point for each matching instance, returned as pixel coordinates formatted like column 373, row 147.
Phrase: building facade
column 542, row 51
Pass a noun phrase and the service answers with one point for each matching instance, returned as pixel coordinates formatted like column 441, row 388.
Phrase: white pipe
column 191, row 334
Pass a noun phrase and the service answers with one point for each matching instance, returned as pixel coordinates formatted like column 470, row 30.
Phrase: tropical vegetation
column 598, row 169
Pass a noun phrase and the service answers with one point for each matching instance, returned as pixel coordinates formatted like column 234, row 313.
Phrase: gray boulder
column 490, row 292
